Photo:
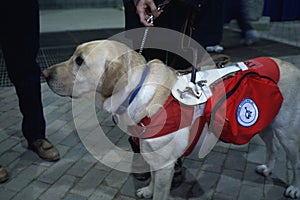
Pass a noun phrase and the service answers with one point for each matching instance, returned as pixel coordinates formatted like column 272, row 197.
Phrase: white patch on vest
column 247, row 112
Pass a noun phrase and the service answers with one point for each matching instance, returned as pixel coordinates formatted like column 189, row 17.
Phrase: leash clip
column 150, row 20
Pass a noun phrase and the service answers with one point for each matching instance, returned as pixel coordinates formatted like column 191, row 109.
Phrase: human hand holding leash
column 146, row 9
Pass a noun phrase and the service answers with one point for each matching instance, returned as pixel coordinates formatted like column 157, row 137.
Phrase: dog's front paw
column 144, row 192
column 292, row 192
column 263, row 170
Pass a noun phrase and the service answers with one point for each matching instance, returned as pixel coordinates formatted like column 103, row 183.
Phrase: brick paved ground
column 226, row 173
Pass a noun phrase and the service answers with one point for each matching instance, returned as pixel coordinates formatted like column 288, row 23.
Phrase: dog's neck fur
column 124, row 83
column 154, row 93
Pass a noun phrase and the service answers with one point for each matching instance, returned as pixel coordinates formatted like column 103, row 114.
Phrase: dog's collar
column 132, row 95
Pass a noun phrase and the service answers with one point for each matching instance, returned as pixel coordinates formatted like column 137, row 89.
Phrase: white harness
column 192, row 94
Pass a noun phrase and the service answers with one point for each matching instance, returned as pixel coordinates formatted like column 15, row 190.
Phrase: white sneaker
column 216, row 48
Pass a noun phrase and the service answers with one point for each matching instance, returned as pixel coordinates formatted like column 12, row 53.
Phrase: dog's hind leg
column 291, row 146
column 272, row 147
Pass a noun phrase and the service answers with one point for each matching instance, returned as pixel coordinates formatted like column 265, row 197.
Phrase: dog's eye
column 79, row 60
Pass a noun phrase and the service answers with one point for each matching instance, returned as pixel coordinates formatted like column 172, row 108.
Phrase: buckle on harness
column 190, row 93
column 189, row 90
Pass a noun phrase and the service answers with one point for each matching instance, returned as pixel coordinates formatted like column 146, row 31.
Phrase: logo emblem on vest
column 247, row 113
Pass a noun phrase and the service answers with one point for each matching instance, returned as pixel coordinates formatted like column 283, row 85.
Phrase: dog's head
column 98, row 66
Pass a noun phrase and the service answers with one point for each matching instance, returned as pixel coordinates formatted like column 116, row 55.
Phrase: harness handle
column 220, row 61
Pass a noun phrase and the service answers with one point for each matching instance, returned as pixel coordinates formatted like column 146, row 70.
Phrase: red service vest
column 249, row 102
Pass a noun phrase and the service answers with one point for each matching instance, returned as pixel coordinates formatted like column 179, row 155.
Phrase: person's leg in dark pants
column 19, row 37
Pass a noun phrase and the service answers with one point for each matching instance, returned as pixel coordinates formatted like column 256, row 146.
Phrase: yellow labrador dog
column 111, row 71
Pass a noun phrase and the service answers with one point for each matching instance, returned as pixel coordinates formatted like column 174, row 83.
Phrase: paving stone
column 256, row 154
column 221, row 196
column 235, row 160
column 53, row 116
column 59, row 189
column 214, row 162
column 32, row 191
column 68, row 114
column 104, row 118
column 49, row 109
column 221, row 147
column 131, row 185
column 251, row 177
column 106, row 129
column 115, row 134
column 201, row 187
column 81, row 167
column 30, row 157
column 192, row 166
column 6, row 194
column 101, row 166
column 244, row 147
column 272, row 192
column 9, row 156
column 7, row 107
column 20, row 148
column 257, row 140
column 32, row 172
column 116, row 175
column 17, row 133
column 74, row 197
column 248, row 192
column 86, row 186
column 20, row 164
column 17, row 183
column 14, row 113
column 206, row 182
column 107, row 120
column 121, row 197
column 71, row 140
column 103, row 192
column 123, row 142
column 53, row 173
column 59, row 136
column 188, row 190
column 47, row 100
column 8, row 144
column 229, row 183
column 55, row 126
column 4, row 134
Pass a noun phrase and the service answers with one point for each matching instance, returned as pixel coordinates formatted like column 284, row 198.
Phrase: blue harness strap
column 133, row 94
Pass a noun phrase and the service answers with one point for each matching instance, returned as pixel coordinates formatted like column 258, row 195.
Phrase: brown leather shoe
column 3, row 174
column 45, row 150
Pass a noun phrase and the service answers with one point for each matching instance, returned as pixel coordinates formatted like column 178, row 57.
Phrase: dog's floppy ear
column 113, row 79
